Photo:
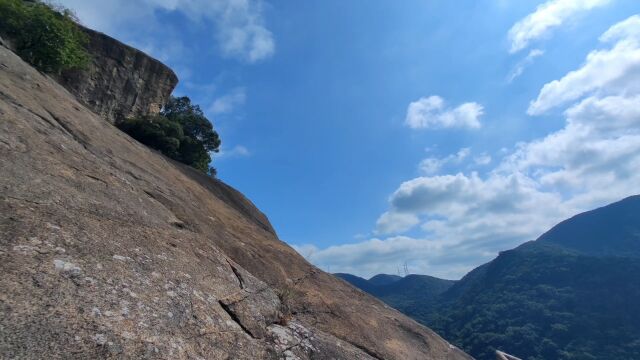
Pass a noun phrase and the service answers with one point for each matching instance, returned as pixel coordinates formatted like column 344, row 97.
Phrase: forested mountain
column 384, row 279
column 613, row 230
column 572, row 294
column 402, row 293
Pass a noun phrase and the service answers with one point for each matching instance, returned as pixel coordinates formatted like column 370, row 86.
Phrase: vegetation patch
column 541, row 303
column 286, row 296
column 47, row 37
column 180, row 131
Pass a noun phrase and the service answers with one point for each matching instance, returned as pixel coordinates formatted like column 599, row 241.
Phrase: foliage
column 157, row 132
column 195, row 125
column 573, row 294
column 180, row 131
column 402, row 293
column 543, row 302
column 47, row 38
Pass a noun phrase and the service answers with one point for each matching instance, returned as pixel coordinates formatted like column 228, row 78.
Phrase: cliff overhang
column 120, row 81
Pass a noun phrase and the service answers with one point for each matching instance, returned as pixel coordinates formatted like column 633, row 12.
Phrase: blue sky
column 436, row 133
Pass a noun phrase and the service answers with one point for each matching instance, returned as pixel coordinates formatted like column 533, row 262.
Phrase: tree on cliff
column 194, row 124
column 180, row 131
column 46, row 37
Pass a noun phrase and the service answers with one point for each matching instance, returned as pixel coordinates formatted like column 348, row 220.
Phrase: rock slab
column 110, row 250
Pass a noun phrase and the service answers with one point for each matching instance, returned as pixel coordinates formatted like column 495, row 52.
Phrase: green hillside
column 572, row 294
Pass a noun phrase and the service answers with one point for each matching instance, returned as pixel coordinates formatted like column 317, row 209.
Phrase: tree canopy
column 48, row 38
column 181, row 131
column 541, row 303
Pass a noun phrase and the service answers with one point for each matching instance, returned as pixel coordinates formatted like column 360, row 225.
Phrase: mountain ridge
column 400, row 292
column 584, row 232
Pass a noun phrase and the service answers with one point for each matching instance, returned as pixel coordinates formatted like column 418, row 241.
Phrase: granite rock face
column 120, row 81
column 110, row 250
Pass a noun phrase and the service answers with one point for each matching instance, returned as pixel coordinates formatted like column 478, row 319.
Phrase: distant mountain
column 402, row 293
column 613, row 230
column 574, row 293
column 540, row 301
column 360, row 283
column 384, row 279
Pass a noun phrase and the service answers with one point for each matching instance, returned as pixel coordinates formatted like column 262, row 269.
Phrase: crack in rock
column 235, row 318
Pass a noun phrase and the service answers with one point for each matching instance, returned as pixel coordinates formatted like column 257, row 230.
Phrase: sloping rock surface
column 110, row 250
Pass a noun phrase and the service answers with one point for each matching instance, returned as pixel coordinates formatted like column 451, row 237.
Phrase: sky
column 429, row 133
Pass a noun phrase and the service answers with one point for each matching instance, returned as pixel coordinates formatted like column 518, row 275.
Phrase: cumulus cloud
column 389, row 255
column 395, row 222
column 399, row 220
column 593, row 158
column 612, row 70
column 466, row 218
column 461, row 196
column 431, row 112
column 545, row 18
column 376, row 256
column 240, row 30
column 227, row 103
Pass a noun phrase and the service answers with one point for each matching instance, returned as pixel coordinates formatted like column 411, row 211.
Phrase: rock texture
column 110, row 250
column 121, row 81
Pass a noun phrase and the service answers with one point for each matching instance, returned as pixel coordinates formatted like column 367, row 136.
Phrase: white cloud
column 524, row 63
column 394, row 222
column 430, row 112
column 594, row 157
column 628, row 29
column 467, row 218
column 376, row 256
column 239, row 26
column 613, row 70
column 459, row 196
column 242, row 32
column 547, row 16
column 389, row 255
column 432, row 165
column 227, row 103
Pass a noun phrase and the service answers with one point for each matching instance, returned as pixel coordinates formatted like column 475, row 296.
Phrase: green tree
column 47, row 38
column 195, row 125
column 157, row 132
column 180, row 131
